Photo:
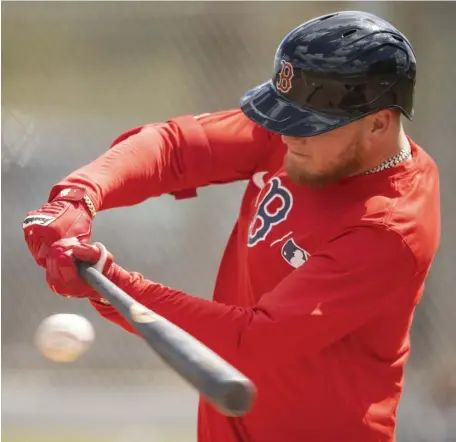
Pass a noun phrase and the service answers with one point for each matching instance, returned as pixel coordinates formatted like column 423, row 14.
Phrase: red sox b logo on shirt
column 274, row 208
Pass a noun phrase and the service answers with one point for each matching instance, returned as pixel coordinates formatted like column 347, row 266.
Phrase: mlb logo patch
column 294, row 255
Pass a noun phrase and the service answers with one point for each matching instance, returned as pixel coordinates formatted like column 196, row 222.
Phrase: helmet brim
column 266, row 107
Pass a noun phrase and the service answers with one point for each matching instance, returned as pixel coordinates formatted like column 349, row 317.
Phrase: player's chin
column 298, row 169
column 305, row 177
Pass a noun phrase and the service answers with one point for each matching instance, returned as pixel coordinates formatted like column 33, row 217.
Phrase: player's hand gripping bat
column 219, row 382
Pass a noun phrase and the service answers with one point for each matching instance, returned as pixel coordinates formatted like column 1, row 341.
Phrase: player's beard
column 348, row 163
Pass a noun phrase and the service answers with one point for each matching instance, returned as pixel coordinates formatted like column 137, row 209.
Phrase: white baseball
column 64, row 337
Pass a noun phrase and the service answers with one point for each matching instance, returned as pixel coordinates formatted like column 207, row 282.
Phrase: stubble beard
column 348, row 164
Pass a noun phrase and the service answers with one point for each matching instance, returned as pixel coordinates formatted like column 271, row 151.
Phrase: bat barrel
column 220, row 383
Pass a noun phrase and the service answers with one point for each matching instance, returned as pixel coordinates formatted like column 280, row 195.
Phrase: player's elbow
column 267, row 341
column 273, row 341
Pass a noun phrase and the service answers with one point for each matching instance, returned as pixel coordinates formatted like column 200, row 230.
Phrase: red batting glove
column 61, row 273
column 69, row 215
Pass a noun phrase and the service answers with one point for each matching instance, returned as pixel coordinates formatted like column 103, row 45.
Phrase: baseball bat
column 227, row 389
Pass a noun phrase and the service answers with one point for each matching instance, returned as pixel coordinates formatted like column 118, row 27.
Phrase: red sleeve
column 358, row 276
column 184, row 153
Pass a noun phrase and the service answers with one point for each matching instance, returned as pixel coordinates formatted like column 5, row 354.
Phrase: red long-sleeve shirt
column 316, row 289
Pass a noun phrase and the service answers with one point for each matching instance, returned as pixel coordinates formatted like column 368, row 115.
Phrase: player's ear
column 380, row 122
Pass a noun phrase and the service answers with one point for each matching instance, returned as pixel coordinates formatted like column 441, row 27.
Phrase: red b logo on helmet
column 285, row 76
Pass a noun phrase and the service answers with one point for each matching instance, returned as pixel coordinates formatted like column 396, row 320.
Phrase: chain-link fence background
column 76, row 75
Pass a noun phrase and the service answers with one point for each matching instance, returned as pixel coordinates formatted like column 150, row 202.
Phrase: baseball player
column 337, row 231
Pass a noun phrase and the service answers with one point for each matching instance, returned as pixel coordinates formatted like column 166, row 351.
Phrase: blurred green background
column 77, row 74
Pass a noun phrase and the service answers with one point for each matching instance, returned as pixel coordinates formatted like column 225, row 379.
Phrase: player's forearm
column 144, row 165
column 245, row 337
column 216, row 325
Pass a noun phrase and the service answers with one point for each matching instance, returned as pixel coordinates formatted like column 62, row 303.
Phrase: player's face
column 322, row 159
